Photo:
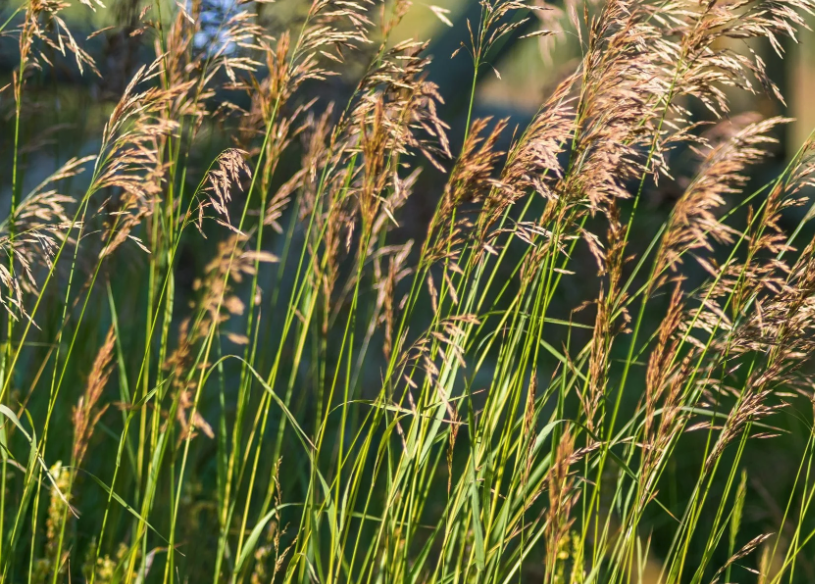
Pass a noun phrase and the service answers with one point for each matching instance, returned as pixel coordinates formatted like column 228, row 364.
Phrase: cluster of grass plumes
column 223, row 360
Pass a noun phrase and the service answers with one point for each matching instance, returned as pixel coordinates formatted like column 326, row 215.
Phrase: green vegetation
column 235, row 350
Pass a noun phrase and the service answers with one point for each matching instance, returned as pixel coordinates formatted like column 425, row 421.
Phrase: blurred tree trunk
column 801, row 89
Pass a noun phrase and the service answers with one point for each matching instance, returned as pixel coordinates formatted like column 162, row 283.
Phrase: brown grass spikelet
column 472, row 178
column 130, row 160
column 409, row 116
column 183, row 386
column 662, row 360
column 229, row 168
column 315, row 142
column 780, row 331
column 40, row 226
column 87, row 413
column 231, row 263
column 391, row 118
column 745, row 551
column 731, row 147
column 622, row 76
column 498, row 20
column 598, row 364
column 764, row 272
column 709, row 70
column 666, row 377
column 216, row 303
column 802, row 173
column 562, row 497
column 43, row 23
column 532, row 162
column 610, row 320
column 387, row 279
column 529, row 420
column 471, row 181
column 441, row 343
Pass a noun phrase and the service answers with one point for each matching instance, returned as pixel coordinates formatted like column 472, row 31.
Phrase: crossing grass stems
column 338, row 403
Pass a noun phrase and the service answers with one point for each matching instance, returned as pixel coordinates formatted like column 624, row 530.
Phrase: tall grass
column 235, row 365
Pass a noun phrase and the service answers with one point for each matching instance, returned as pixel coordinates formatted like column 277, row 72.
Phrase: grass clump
column 238, row 347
